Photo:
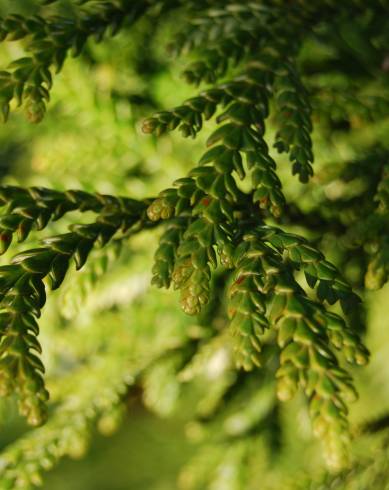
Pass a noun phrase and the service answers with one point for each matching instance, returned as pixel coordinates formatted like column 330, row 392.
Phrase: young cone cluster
column 265, row 297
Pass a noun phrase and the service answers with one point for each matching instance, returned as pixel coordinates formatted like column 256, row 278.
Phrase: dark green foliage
column 37, row 206
column 29, row 79
column 288, row 311
column 22, row 283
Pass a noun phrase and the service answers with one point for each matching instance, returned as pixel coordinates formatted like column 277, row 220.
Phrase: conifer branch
column 97, row 393
column 28, row 80
column 306, row 333
column 23, row 295
column 37, row 206
column 220, row 245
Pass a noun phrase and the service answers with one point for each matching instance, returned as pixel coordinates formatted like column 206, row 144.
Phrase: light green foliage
column 29, row 79
column 251, row 248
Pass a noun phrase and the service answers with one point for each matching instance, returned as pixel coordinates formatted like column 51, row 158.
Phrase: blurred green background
column 91, row 139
